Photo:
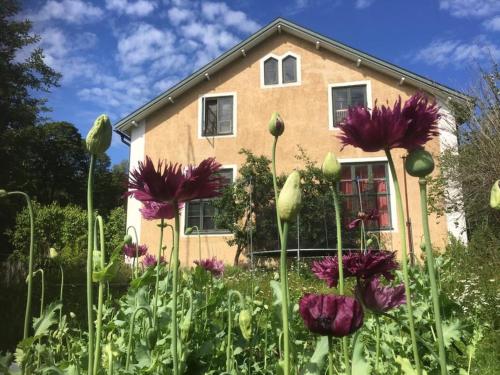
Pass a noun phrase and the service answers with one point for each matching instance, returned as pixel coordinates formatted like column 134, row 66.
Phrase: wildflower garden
column 367, row 311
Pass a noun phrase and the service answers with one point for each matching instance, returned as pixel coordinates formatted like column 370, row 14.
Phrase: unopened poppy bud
column 245, row 321
column 276, row 125
column 53, row 253
column 290, row 198
column 495, row 195
column 99, row 137
column 72, row 315
column 419, row 163
column 369, row 242
column 151, row 338
column 331, row 167
column 3, row 193
column 127, row 239
column 189, row 230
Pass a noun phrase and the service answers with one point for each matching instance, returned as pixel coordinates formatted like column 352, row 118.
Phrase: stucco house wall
column 172, row 132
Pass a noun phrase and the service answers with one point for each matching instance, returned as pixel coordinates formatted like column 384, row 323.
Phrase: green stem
column 136, row 260
column 131, row 332
column 100, row 300
column 377, row 343
column 330, row 355
column 175, row 270
column 61, row 291
column 404, row 261
column 284, row 296
column 229, row 348
column 275, row 185
column 157, row 282
column 338, row 224
column 432, row 275
column 90, row 239
column 42, row 281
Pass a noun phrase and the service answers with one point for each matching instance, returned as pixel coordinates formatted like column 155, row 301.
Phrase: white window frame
column 201, row 119
column 234, row 167
column 392, row 194
column 280, row 70
column 369, row 101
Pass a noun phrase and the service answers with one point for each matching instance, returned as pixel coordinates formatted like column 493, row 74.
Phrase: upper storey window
column 218, row 115
column 342, row 96
column 279, row 71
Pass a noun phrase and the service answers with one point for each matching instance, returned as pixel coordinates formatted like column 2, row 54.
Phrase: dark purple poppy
column 168, row 183
column 384, row 128
column 214, row 266
column 155, row 211
column 130, row 250
column 378, row 298
column 150, row 260
column 362, row 265
column 331, row 315
column 363, row 217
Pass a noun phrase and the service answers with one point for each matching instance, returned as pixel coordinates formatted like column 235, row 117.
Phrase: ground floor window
column 365, row 187
column 201, row 212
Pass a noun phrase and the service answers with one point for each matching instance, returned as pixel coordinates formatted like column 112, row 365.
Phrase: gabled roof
column 281, row 25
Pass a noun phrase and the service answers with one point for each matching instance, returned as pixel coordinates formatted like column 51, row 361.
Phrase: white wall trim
column 369, row 99
column 235, row 113
column 392, row 195
column 234, row 167
column 448, row 140
column 137, row 143
column 280, row 70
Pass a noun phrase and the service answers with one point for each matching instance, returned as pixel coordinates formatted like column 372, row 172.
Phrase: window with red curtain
column 365, row 187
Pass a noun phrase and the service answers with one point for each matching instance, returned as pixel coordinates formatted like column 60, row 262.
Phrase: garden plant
column 361, row 312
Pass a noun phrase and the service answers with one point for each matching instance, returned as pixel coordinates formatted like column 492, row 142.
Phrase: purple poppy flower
column 150, row 261
column 331, row 315
column 214, row 266
column 384, row 128
column 155, row 211
column 130, row 250
column 363, row 217
column 378, row 298
column 356, row 264
column 168, row 183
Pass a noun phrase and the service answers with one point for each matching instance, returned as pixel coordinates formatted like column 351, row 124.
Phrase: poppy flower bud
column 495, row 195
column 276, row 125
column 3, row 193
column 245, row 321
column 419, row 163
column 151, row 338
column 127, row 239
column 99, row 137
column 290, row 198
column 189, row 230
column 331, row 167
column 72, row 315
column 53, row 253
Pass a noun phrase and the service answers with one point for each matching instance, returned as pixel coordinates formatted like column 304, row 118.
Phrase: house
column 311, row 80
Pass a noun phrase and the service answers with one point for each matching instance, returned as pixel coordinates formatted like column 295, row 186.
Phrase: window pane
column 225, row 115
column 289, row 69
column 208, row 216
column 358, row 96
column 210, row 124
column 340, row 99
column 271, row 71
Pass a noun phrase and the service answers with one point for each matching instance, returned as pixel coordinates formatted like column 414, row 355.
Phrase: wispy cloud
column 363, row 4
column 470, row 8
column 139, row 8
column 71, row 11
column 220, row 12
column 444, row 52
column 493, row 24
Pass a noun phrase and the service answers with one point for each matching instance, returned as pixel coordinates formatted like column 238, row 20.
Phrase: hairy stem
column 330, row 355
column 100, row 298
column 285, row 303
column 175, row 270
column 157, row 282
column 90, row 239
column 275, row 185
column 131, row 332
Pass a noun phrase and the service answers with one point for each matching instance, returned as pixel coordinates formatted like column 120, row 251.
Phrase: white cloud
column 179, row 15
column 470, row 8
column 139, row 8
column 456, row 52
column 72, row 11
column 363, row 4
column 493, row 24
column 220, row 13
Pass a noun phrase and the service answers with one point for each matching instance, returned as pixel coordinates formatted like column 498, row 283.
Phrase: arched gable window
column 289, row 67
column 271, row 71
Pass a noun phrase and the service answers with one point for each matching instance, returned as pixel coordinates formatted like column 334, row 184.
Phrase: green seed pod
column 127, row 239
column 189, row 230
column 185, row 325
column 290, row 198
column 3, row 193
column 151, row 337
column 331, row 167
column 419, row 163
column 276, row 125
column 99, row 137
column 245, row 321
column 495, row 196
column 53, row 253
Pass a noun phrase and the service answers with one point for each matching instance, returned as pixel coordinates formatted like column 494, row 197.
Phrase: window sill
column 280, row 85
column 207, row 234
column 217, row 136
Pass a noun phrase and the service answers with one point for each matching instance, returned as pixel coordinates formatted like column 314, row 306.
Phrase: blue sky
column 115, row 55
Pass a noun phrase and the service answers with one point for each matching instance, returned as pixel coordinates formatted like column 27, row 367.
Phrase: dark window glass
column 345, row 97
column 365, row 187
column 217, row 116
column 201, row 212
column 289, row 69
column 271, row 71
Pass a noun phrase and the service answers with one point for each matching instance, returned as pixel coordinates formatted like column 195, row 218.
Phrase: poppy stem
column 61, row 291
column 377, row 343
column 157, row 282
column 432, row 275
column 131, row 331
column 100, row 298
column 275, row 185
column 404, row 261
column 175, row 270
column 284, row 296
column 330, row 355
column 90, row 250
